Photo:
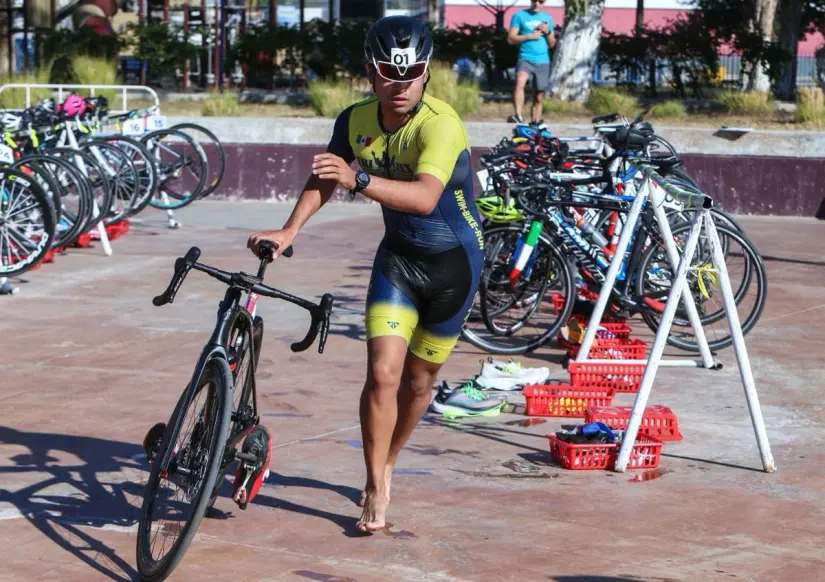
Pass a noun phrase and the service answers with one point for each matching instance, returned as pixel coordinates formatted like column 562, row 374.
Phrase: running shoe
column 466, row 400
column 498, row 375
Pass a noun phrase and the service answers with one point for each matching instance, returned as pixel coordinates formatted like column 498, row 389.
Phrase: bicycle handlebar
column 319, row 313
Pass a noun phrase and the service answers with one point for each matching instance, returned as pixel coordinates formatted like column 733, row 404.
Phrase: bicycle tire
column 79, row 189
column 42, row 174
column 237, row 343
column 39, row 247
column 755, row 266
column 116, row 212
column 96, row 178
column 147, row 172
column 215, row 368
column 217, row 175
column 569, row 300
column 179, row 200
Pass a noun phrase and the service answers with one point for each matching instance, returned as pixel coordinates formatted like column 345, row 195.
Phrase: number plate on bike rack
column 155, row 122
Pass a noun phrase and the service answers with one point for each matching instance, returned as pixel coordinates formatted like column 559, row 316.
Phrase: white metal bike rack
column 652, row 189
column 92, row 89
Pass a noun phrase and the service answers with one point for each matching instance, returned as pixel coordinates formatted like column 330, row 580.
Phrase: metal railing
column 63, row 90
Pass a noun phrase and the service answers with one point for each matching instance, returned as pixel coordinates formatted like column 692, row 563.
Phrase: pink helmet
column 73, row 105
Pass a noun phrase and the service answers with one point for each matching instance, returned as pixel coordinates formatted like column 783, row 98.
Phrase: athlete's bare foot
column 375, row 506
column 387, row 484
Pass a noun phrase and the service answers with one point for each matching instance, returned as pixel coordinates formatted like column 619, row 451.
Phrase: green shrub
column 221, row 105
column 810, row 105
column 668, row 109
column 329, row 98
column 746, row 102
column 559, row 106
column 95, row 71
column 16, row 98
column 603, row 101
column 464, row 96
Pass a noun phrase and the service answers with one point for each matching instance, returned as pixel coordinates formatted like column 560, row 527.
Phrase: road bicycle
column 207, row 444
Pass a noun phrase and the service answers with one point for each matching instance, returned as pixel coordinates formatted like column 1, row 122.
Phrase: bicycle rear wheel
column 194, row 464
column 212, row 149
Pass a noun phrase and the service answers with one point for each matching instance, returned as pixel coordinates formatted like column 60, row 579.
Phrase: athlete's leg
column 414, row 397
column 379, row 411
column 391, row 318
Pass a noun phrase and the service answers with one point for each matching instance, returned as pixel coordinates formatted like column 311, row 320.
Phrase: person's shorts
column 540, row 73
column 424, row 298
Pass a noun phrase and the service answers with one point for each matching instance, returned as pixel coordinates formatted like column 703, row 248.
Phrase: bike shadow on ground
column 279, row 481
column 79, row 485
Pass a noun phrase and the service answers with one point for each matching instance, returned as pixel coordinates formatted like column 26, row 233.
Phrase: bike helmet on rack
column 73, row 106
column 398, row 48
column 493, row 208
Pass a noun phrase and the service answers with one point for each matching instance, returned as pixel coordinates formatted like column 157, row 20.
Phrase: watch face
column 362, row 178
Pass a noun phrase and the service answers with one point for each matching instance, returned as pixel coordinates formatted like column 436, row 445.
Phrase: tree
column 498, row 11
column 577, row 51
column 790, row 30
column 763, row 19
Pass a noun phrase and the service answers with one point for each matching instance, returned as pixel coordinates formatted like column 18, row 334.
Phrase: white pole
column 741, row 351
column 659, row 344
column 658, row 199
column 613, row 270
column 101, row 229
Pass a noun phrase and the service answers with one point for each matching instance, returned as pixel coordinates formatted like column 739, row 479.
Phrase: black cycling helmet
column 399, row 46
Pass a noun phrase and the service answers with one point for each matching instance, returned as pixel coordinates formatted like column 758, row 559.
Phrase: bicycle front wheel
column 176, row 496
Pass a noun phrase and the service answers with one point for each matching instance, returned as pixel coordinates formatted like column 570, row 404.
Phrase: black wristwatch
column 362, row 180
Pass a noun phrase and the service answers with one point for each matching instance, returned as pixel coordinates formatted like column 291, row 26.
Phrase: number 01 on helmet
column 399, row 48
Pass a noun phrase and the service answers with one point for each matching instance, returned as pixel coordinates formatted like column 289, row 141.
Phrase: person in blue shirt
column 532, row 31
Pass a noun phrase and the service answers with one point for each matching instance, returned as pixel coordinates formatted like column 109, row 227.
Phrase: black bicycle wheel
column 238, row 342
column 26, row 223
column 147, row 172
column 121, row 174
column 703, row 285
column 45, row 179
column 96, row 179
column 75, row 197
column 552, row 274
column 181, row 167
column 213, row 150
column 195, row 464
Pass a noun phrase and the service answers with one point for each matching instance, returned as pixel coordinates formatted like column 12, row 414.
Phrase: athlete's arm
column 440, row 141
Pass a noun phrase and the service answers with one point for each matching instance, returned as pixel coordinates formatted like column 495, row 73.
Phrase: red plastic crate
column 657, row 421
column 645, row 454
column 620, row 376
column 613, row 349
column 563, row 400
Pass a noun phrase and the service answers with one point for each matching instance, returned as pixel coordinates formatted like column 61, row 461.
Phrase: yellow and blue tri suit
column 427, row 268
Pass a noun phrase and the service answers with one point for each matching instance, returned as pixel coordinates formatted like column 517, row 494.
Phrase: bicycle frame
column 228, row 312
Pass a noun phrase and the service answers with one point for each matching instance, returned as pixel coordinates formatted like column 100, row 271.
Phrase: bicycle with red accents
column 189, row 455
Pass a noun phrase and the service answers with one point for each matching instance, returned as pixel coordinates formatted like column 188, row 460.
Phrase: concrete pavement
column 87, row 365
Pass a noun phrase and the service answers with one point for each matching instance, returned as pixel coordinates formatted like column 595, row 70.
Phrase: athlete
column 414, row 159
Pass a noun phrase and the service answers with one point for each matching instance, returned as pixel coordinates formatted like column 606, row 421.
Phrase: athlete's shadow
column 277, row 480
column 79, row 482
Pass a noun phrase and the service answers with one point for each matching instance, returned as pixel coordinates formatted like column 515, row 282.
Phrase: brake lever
column 182, row 267
column 320, row 322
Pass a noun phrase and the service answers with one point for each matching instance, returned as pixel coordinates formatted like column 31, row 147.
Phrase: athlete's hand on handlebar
column 281, row 239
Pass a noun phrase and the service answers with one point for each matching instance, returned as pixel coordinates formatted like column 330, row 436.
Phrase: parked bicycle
column 190, row 453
